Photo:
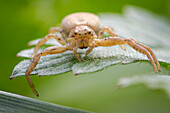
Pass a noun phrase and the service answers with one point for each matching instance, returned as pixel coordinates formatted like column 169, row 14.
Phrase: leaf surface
column 144, row 26
column 13, row 103
column 151, row 81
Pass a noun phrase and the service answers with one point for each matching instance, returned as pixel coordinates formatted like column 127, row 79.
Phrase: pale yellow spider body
column 82, row 30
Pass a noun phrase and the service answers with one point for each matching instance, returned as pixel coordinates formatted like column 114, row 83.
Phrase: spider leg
column 45, row 39
column 91, row 44
column 152, row 54
column 58, row 29
column 89, row 50
column 76, row 53
column 143, row 50
column 109, row 30
column 47, row 51
column 111, row 41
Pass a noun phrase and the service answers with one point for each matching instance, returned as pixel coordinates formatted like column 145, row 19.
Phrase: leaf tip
column 11, row 77
column 117, row 86
column 75, row 74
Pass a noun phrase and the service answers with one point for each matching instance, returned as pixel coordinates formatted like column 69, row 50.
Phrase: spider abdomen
column 76, row 19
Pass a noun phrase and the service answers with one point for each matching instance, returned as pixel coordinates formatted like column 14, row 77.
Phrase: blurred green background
column 25, row 20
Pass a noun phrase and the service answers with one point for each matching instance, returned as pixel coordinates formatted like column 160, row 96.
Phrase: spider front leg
column 47, row 51
column 45, row 39
column 111, row 41
column 151, row 52
column 76, row 53
column 109, row 30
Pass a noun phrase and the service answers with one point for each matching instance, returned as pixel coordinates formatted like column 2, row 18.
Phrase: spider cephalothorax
column 82, row 35
column 82, row 30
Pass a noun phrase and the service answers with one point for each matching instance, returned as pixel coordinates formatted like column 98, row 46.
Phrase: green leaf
column 151, row 81
column 10, row 103
column 144, row 26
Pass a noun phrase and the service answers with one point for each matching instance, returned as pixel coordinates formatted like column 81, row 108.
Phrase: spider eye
column 75, row 33
column 89, row 32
